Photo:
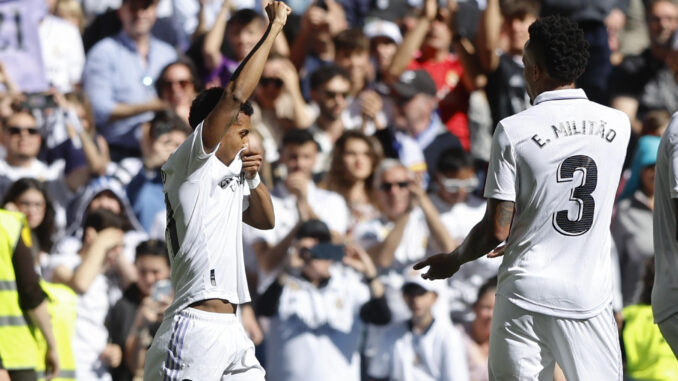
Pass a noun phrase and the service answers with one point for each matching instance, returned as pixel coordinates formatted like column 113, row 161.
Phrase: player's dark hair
column 559, row 47
column 244, row 17
column 352, row 40
column 152, row 248
column 298, row 137
column 325, row 74
column 167, row 121
column 519, row 9
column 488, row 286
column 314, row 228
column 100, row 219
column 206, row 101
column 453, row 160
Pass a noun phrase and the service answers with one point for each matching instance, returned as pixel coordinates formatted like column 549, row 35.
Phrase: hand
column 416, row 190
column 430, row 9
column 277, row 12
column 109, row 238
column 251, row 326
column 11, row 207
column 441, row 266
column 315, row 18
column 497, row 251
column 112, row 355
column 357, row 258
column 288, row 74
column 251, row 162
column 297, row 184
column 370, row 104
column 151, row 311
column 51, row 363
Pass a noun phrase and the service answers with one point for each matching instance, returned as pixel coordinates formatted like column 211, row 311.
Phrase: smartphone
column 161, row 290
column 39, row 101
column 328, row 251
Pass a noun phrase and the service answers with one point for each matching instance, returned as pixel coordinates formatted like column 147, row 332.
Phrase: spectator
column 351, row 174
column 178, row 84
column 505, row 87
column 632, row 226
column 477, row 332
column 422, row 347
column 655, row 123
column 119, row 76
column 644, row 82
column 145, row 191
column 135, row 310
column 296, row 200
column 71, row 11
column 90, row 271
column 320, row 312
column 646, row 354
column 384, row 38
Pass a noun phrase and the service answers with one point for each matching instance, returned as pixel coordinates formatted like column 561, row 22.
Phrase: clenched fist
column 277, row 12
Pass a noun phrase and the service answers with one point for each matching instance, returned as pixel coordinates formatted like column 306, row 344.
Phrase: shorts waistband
column 208, row 316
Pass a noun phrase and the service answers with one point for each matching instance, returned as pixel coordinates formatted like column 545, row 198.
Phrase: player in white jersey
column 665, row 289
column 557, row 166
column 206, row 181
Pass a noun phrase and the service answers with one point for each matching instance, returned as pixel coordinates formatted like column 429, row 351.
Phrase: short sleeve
column 501, row 174
column 189, row 157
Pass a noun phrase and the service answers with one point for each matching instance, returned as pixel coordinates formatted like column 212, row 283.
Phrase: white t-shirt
column 560, row 162
column 62, row 53
column 665, row 290
column 205, row 201
column 438, row 354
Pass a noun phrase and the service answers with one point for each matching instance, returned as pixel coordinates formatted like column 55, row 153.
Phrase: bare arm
column 94, row 259
column 40, row 317
column 439, row 233
column 487, row 40
column 412, row 41
column 244, row 80
column 126, row 110
column 485, row 236
column 383, row 253
column 211, row 47
column 260, row 212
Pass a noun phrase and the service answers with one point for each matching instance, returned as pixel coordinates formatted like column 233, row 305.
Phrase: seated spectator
column 119, row 76
column 477, row 332
column 91, row 271
column 295, row 200
column 646, row 354
column 351, row 175
column 145, row 191
column 29, row 196
column 178, row 84
column 139, row 308
column 320, row 313
column 423, row 347
column 632, row 225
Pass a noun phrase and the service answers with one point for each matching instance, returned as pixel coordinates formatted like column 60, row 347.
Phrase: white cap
column 377, row 27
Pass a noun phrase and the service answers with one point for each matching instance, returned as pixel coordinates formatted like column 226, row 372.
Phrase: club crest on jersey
column 234, row 182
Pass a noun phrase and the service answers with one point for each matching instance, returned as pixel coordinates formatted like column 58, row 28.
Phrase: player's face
column 394, row 192
column 357, row 160
column 236, row 137
column 32, row 203
column 420, row 305
column 150, row 269
column 300, row 157
column 21, row 136
column 137, row 17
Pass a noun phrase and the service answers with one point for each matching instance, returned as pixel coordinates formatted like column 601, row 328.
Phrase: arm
column 383, row 253
column 126, row 110
column 244, row 80
column 260, row 212
column 211, row 47
column 492, row 230
column 40, row 317
column 94, row 259
column 438, row 231
column 288, row 74
column 487, row 40
column 375, row 310
column 412, row 41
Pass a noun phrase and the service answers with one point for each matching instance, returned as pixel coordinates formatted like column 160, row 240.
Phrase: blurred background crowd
column 375, row 118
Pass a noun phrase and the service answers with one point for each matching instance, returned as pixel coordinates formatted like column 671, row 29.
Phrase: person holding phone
column 320, row 308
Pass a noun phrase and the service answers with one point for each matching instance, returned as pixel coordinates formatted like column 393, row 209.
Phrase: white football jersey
column 205, row 200
column 560, row 162
column 665, row 289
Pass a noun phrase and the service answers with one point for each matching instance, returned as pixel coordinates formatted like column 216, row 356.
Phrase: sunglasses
column 184, row 83
column 13, row 130
column 267, row 81
column 334, row 94
column 386, row 187
column 455, row 185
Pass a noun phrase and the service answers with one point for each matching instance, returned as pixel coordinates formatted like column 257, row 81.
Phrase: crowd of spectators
column 375, row 119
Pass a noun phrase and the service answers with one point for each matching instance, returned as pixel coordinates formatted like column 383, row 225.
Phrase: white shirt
column 665, row 290
column 438, row 354
column 205, row 201
column 317, row 332
column 560, row 162
column 62, row 53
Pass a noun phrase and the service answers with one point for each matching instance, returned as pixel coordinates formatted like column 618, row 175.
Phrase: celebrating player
column 557, row 166
column 205, row 182
column 665, row 289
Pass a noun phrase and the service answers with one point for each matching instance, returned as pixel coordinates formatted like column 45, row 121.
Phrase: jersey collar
column 560, row 95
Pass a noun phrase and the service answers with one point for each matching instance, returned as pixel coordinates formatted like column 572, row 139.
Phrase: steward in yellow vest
column 21, row 295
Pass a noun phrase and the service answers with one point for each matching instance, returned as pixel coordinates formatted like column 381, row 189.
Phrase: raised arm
column 211, row 47
column 487, row 40
column 244, row 80
column 413, row 40
column 492, row 230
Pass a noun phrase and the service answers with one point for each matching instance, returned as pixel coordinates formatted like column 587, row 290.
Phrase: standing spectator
column 119, row 76
column 178, row 84
column 632, row 226
column 644, row 82
column 477, row 332
column 321, row 312
column 384, row 38
column 423, row 347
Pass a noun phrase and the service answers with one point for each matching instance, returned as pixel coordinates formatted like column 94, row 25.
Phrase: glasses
column 386, row 187
column 267, row 81
column 455, row 185
column 334, row 94
column 184, row 83
column 14, row 130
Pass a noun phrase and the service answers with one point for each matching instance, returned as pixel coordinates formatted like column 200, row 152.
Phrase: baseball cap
column 377, row 27
column 413, row 82
column 415, row 284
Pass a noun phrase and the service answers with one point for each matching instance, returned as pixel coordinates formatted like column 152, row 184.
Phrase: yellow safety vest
column 18, row 349
column 62, row 307
column 648, row 355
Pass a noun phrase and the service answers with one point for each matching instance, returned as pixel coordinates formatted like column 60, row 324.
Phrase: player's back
column 560, row 161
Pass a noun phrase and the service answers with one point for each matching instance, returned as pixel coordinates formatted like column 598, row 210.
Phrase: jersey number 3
column 580, row 194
